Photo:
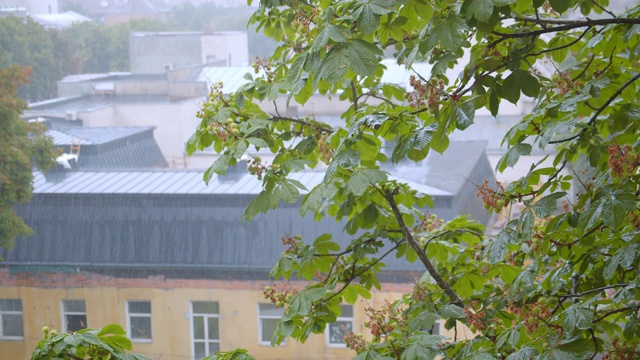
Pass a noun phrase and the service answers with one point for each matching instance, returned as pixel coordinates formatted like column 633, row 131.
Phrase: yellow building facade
column 173, row 317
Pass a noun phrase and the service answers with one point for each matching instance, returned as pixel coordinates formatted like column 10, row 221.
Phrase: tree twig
column 388, row 195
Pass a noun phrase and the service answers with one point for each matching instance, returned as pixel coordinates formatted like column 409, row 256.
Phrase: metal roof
column 93, row 135
column 125, row 222
column 165, row 181
column 108, row 148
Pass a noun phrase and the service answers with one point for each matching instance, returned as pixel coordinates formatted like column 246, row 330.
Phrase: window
column 268, row 316
column 337, row 330
column 11, row 319
column 205, row 317
column 139, row 320
column 74, row 315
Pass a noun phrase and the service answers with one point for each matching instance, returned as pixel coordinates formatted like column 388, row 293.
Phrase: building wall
column 230, row 46
column 170, row 299
column 150, row 52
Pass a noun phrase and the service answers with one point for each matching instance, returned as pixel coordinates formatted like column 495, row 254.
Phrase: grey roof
column 93, row 102
column 170, row 222
column 95, row 135
column 110, row 147
column 177, row 182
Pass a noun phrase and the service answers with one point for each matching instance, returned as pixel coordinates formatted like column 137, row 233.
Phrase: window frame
column 129, row 315
column 65, row 313
column 12, row 312
column 207, row 317
column 260, row 318
column 327, row 331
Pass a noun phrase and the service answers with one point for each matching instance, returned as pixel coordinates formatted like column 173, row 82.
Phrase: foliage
column 21, row 143
column 85, row 47
column 109, row 342
column 558, row 282
column 25, row 42
column 101, row 48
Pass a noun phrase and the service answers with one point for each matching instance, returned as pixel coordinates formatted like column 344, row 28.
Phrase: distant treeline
column 92, row 47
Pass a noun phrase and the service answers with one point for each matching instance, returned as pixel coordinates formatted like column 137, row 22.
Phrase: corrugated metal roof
column 179, row 182
column 93, row 135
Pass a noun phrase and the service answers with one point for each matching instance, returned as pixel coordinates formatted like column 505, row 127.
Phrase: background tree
column 21, row 144
column 558, row 282
column 25, row 42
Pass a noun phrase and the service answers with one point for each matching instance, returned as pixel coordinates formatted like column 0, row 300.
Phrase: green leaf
column 361, row 179
column 114, row 329
column 449, row 31
column 452, row 311
column 417, row 351
column 368, row 21
column 289, row 192
column 509, row 338
column 547, row 205
column 257, row 142
column 353, row 291
column 464, row 114
column 118, row 341
column 302, row 302
column 481, row 10
column 424, row 321
column 560, row 5
column 577, row 318
column 527, row 353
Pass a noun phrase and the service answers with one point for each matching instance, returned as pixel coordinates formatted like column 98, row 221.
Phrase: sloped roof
column 177, row 182
column 60, row 20
column 111, row 147
column 169, row 222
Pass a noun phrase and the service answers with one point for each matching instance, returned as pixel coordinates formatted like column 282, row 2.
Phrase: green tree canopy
column 560, row 281
column 21, row 143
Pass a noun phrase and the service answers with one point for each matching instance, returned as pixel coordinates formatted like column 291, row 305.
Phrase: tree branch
column 615, row 311
column 600, row 110
column 592, row 291
column 302, row 122
column 421, row 255
column 567, row 24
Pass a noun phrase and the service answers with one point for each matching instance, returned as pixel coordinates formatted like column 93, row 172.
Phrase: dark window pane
column 214, row 333
column 198, row 327
column 140, row 328
column 10, row 305
column 12, row 325
column 199, row 350
column 270, row 310
column 76, row 322
column 74, row 306
column 140, row 307
column 213, row 347
column 338, row 330
column 347, row 311
column 205, row 307
column 268, row 327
